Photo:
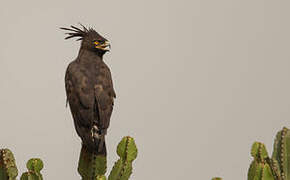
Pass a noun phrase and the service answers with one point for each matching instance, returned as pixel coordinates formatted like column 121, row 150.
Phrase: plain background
column 197, row 82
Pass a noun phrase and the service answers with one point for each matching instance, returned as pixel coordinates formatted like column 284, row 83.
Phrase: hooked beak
column 106, row 46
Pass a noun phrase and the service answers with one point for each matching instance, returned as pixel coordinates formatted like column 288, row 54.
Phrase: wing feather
column 91, row 98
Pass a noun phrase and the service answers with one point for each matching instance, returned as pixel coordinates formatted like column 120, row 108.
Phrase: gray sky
column 197, row 82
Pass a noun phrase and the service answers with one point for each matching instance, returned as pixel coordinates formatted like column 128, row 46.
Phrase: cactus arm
column 91, row 165
column 260, row 168
column 259, row 152
column 281, row 152
column 8, row 169
column 127, row 151
column 34, row 166
column 127, row 171
column 116, row 171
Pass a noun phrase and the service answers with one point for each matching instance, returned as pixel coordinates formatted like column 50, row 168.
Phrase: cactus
column 216, row 178
column 8, row 169
column 281, row 152
column 261, row 167
column 34, row 166
column 275, row 168
column 91, row 166
column 127, row 151
column 101, row 177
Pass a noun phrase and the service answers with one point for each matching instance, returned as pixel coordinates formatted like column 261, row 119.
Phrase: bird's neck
column 87, row 55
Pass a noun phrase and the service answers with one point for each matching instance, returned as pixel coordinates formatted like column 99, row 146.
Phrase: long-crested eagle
column 89, row 88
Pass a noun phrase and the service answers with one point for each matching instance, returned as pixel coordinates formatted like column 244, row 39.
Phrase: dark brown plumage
column 89, row 89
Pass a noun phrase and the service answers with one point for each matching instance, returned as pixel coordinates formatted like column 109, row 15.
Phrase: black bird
column 89, row 89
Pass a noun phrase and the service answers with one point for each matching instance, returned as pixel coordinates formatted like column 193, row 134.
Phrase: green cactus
column 31, row 175
column 281, row 152
column 35, row 164
column 216, row 178
column 101, row 177
column 8, row 169
column 91, row 165
column 34, row 167
column 276, row 168
column 260, row 169
column 127, row 151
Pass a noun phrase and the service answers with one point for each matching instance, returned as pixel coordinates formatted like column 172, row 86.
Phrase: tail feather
column 97, row 146
column 101, row 144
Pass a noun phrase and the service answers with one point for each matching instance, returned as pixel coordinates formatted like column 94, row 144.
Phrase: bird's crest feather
column 77, row 32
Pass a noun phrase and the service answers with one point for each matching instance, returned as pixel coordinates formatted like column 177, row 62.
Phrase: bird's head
column 91, row 40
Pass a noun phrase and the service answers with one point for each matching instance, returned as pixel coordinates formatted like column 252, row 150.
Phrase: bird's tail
column 96, row 146
column 101, row 144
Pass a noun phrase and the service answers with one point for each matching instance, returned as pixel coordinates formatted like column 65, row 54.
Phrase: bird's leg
column 92, row 133
column 95, row 132
column 98, row 134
